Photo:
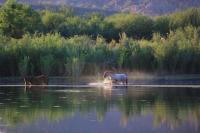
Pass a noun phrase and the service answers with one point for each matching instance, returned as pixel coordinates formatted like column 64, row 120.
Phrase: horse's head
column 107, row 73
column 27, row 80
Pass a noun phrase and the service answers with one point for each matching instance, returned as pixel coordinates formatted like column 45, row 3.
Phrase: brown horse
column 35, row 80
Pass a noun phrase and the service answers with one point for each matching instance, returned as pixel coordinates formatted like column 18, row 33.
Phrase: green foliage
column 133, row 25
column 72, row 26
column 185, row 18
column 52, row 54
column 23, row 66
column 161, row 25
column 52, row 20
column 17, row 19
column 46, row 64
column 66, row 10
column 77, row 66
column 180, row 51
column 92, row 25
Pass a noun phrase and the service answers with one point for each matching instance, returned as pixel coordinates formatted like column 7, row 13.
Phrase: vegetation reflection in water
column 168, row 106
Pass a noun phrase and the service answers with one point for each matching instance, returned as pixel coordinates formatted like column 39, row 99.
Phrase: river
column 128, row 109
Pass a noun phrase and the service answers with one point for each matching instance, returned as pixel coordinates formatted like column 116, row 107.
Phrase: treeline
column 53, row 54
column 60, row 43
column 18, row 19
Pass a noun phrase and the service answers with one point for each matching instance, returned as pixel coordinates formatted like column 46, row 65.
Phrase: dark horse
column 35, row 80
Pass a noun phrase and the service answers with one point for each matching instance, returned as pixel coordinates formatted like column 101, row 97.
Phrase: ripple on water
column 23, row 106
column 63, row 97
column 143, row 100
column 8, row 99
column 23, row 98
column 56, row 106
column 34, row 101
column 72, row 91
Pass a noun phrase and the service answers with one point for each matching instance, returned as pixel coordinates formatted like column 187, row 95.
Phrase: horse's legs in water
column 126, row 81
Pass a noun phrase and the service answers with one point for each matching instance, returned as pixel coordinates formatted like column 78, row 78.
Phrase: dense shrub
column 133, row 25
column 179, row 52
column 52, row 54
column 161, row 25
column 185, row 18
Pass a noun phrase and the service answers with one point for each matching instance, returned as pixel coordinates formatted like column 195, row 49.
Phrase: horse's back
column 42, row 79
column 119, row 76
column 37, row 80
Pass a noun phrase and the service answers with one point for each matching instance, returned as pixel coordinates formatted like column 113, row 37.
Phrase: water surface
column 99, row 110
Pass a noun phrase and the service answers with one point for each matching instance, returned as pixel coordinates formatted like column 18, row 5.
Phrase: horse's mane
column 106, row 73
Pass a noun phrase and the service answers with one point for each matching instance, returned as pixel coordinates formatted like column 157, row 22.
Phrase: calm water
column 96, row 110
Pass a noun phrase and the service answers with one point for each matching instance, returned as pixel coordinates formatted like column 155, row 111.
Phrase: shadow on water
column 171, row 107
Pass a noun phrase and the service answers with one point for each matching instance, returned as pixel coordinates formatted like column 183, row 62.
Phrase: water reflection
column 171, row 107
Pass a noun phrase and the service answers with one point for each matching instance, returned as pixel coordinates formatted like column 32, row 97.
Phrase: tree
column 73, row 26
column 17, row 19
column 52, row 20
column 141, row 27
column 134, row 25
column 161, row 25
column 185, row 18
